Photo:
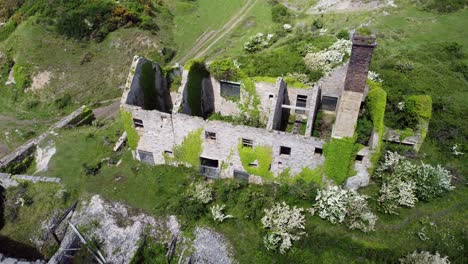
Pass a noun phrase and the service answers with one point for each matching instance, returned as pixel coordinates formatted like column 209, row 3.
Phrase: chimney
column 354, row 86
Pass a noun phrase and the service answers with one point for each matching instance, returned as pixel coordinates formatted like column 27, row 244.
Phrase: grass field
column 159, row 191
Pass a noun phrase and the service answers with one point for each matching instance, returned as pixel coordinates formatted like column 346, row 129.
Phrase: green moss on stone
column 132, row 135
column 261, row 155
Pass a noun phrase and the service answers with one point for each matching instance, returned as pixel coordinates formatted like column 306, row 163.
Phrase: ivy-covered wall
column 421, row 107
column 132, row 135
column 376, row 101
column 190, row 149
column 260, row 154
column 339, row 158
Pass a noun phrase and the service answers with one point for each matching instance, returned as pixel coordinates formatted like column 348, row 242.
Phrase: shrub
column 443, row 6
column 259, row 42
column 280, row 14
column 327, row 59
column 92, row 169
column 224, row 70
column 284, row 224
column 217, row 213
column 396, row 193
column 22, row 75
column 201, row 192
column 343, row 34
column 424, row 257
column 432, row 181
column 338, row 205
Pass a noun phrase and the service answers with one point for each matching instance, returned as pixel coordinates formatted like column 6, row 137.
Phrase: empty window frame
column 329, row 103
column 137, row 122
column 318, row 151
column 301, row 101
column 285, row 150
column 210, row 136
column 146, row 157
column 241, row 176
column 247, row 143
column 359, row 158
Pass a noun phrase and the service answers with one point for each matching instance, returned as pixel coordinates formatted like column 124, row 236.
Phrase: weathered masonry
column 284, row 142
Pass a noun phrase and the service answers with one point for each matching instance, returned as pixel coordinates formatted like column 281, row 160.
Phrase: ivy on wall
column 339, row 158
column 420, row 106
column 190, row 149
column 256, row 160
column 132, row 135
column 376, row 101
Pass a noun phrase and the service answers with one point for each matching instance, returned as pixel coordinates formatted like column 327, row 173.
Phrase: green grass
column 192, row 19
column 158, row 190
column 30, row 217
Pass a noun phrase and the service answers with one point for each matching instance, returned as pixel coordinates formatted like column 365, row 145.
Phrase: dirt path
column 210, row 38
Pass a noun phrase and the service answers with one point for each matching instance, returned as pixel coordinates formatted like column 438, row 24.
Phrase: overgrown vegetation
column 150, row 252
column 132, row 134
column 256, row 160
column 339, row 158
column 189, row 151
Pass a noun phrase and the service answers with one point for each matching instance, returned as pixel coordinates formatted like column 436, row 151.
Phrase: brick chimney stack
column 359, row 62
column 354, row 86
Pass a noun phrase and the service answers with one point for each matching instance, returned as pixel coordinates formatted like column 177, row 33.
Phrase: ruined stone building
column 170, row 120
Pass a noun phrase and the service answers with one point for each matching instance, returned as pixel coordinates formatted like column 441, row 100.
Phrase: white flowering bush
column 424, row 257
column 456, row 150
column 200, row 192
column 217, row 213
column 326, row 59
column 432, row 181
column 373, row 76
column 284, row 224
column 404, row 183
column 338, row 205
column 396, row 193
column 258, row 42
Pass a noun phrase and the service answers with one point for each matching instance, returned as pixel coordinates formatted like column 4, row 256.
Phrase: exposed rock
column 43, row 156
column 40, row 81
column 211, row 247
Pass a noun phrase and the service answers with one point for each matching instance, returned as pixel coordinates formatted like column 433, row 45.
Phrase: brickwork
column 359, row 63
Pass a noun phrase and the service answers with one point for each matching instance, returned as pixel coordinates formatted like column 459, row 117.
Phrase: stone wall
column 278, row 98
column 162, row 132
column 28, row 148
column 313, row 103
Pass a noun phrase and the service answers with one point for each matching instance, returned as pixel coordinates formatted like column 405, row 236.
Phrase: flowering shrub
column 259, row 42
column 338, row 205
column 326, row 59
column 406, row 182
column 217, row 213
column 284, row 226
column 432, row 181
column 424, row 257
column 395, row 193
column 201, row 192
column 373, row 76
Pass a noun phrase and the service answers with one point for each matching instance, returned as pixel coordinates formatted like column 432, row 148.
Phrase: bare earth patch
column 40, row 81
column 341, row 6
column 3, row 149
